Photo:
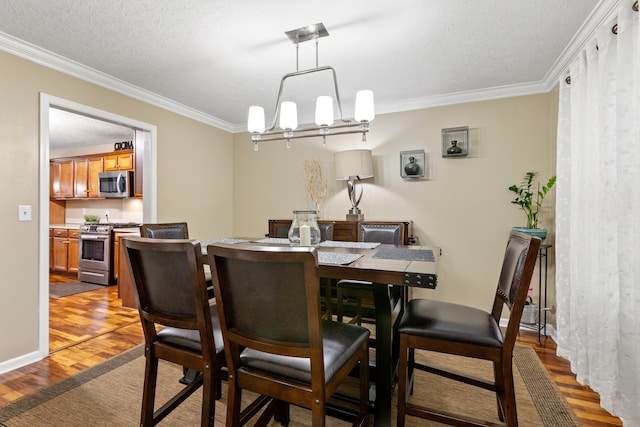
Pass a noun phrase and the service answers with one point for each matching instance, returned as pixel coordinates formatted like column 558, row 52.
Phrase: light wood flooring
column 88, row 328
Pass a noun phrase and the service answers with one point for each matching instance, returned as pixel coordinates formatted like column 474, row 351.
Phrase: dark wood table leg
column 386, row 357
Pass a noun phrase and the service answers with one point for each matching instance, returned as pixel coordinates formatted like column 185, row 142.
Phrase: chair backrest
column 268, row 299
column 326, row 230
column 172, row 230
column 169, row 285
column 392, row 233
column 515, row 277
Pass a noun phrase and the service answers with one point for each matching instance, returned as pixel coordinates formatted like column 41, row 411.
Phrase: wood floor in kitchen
column 88, row 328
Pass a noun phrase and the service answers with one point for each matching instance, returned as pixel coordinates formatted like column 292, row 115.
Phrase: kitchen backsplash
column 119, row 210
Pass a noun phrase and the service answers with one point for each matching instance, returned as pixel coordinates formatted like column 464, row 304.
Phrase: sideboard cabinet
column 345, row 231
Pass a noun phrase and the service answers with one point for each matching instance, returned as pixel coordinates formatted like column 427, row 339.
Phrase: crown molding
column 65, row 65
column 603, row 13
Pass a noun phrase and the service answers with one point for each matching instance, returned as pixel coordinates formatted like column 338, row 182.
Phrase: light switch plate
column 24, row 213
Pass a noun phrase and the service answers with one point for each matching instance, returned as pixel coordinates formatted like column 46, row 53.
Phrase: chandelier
column 286, row 112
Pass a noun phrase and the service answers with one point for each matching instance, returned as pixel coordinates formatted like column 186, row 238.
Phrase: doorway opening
column 146, row 131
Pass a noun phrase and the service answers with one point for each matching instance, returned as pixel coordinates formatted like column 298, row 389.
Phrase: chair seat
column 340, row 341
column 450, row 322
column 190, row 338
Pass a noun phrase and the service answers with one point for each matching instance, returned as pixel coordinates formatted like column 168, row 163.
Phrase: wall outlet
column 24, row 213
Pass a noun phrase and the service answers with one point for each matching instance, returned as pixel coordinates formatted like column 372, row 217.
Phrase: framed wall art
column 455, row 142
column 412, row 164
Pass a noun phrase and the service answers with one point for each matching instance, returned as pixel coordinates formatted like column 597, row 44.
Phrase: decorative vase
column 412, row 168
column 454, row 149
column 538, row 232
column 304, row 229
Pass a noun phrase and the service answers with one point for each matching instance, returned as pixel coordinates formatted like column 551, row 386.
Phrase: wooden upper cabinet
column 80, row 178
column 61, row 178
column 95, row 167
column 119, row 162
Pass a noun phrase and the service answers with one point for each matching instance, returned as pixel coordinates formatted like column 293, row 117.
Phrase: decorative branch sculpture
column 316, row 181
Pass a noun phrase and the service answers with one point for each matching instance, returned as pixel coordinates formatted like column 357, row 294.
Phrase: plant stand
column 541, row 324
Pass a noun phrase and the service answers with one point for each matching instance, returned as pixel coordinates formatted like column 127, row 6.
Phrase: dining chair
column 170, row 230
column 276, row 343
column 467, row 331
column 358, row 293
column 178, row 322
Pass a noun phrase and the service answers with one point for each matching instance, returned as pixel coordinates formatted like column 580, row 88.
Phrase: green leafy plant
column 91, row 218
column 529, row 201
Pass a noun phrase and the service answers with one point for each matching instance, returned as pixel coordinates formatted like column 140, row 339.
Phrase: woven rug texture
column 109, row 394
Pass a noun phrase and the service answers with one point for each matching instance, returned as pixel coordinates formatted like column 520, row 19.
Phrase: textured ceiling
column 218, row 57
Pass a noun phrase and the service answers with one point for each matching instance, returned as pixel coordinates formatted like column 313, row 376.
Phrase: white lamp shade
column 255, row 122
column 324, row 111
column 353, row 163
column 288, row 115
column 364, row 106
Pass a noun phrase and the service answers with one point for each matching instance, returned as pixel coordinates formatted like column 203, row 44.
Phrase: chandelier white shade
column 324, row 111
column 364, row 106
column 255, row 123
column 325, row 120
column 288, row 116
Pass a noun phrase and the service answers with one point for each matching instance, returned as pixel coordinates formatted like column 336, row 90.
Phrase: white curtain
column 598, row 216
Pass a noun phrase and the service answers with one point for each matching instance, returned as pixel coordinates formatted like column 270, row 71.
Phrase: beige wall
column 463, row 207
column 194, row 164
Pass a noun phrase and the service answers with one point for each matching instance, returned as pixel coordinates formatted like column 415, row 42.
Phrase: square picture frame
column 412, row 164
column 455, row 142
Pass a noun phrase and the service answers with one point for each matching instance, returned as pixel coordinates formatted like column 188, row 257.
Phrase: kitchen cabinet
column 95, row 167
column 119, row 162
column 77, row 177
column 80, row 177
column 72, row 254
column 64, row 250
column 61, row 179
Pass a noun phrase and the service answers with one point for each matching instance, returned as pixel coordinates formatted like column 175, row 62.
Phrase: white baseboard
column 550, row 330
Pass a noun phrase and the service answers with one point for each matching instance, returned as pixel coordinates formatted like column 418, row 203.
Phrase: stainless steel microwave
column 115, row 184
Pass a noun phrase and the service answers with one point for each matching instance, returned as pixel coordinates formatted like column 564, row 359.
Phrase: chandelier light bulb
column 324, row 111
column 255, row 122
column 364, row 106
column 288, row 115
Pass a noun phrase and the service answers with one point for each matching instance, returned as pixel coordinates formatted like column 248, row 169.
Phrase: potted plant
column 91, row 218
column 531, row 202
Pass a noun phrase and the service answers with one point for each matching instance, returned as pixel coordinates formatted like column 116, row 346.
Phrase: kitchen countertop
column 67, row 226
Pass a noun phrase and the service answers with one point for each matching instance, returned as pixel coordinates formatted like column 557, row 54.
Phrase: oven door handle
column 93, row 237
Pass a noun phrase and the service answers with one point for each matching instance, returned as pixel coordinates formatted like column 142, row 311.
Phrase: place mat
column 406, row 254
column 352, row 245
column 337, row 258
column 272, row 240
column 205, row 243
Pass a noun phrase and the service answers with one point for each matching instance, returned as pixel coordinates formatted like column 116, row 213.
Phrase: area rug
column 59, row 290
column 109, row 394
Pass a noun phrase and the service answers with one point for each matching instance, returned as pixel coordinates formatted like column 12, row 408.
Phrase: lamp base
column 355, row 214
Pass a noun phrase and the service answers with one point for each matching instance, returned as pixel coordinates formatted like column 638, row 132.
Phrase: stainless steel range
column 95, row 252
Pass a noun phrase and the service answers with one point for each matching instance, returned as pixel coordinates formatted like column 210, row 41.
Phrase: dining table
column 383, row 265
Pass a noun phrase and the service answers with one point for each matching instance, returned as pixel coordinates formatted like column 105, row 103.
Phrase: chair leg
column 509, row 394
column 339, row 313
column 208, row 399
column 234, row 400
column 149, row 390
column 403, row 372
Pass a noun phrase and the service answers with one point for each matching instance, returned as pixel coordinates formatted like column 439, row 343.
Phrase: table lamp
column 353, row 166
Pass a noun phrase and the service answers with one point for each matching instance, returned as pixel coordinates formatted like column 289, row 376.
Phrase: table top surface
column 386, row 264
